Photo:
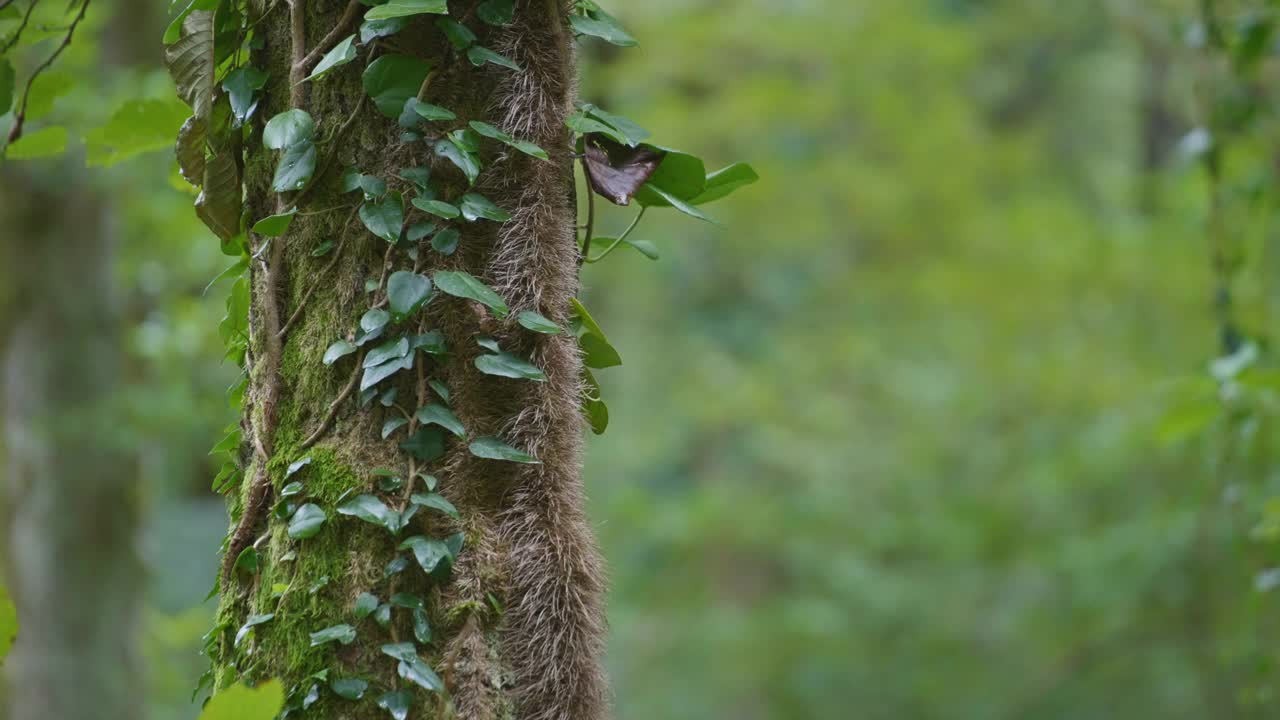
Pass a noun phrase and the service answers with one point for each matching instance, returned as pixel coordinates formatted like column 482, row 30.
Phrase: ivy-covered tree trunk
column 70, row 488
column 408, row 532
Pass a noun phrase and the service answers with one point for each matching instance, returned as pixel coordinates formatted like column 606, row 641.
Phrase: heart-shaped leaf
column 506, row 365
column 442, row 416
column 476, row 206
column 406, row 292
column 341, row 54
column 385, row 217
column 307, row 522
column 392, row 79
column 461, row 284
column 492, row 448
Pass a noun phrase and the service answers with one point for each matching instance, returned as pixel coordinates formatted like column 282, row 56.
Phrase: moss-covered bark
column 517, row 626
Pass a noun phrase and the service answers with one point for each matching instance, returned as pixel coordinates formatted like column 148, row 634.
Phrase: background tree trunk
column 518, row 627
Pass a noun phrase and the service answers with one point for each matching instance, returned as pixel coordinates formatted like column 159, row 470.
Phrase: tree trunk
column 71, row 506
column 517, row 625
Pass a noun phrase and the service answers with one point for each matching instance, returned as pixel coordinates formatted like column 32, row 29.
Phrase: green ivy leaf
column 427, row 111
column 419, row 673
column 275, row 225
column 593, row 405
column 435, row 502
column 407, row 292
column 392, row 350
column 341, row 54
column 429, row 552
column 366, row 603
column 537, row 323
column 491, row 448
column 406, row 8
column 439, row 208
column 461, row 158
column 371, row 510
column 407, row 600
column 481, row 55
column 376, row 374
column 446, row 241
column 373, row 29
column 459, row 35
column 599, row 353
column 421, row 626
column 679, row 174
column 252, row 622
column 384, row 218
column 396, row 702
column 349, row 688
column 241, row 86
column 296, row 465
column 392, row 79
column 427, row 444
column 506, row 365
column 442, row 416
column 674, row 201
column 344, row 634
column 307, row 522
column 476, row 206
column 600, row 24
column 722, row 182
column 288, row 128
column 461, row 284
column 338, row 350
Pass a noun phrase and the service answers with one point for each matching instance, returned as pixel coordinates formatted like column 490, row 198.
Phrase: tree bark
column 518, row 625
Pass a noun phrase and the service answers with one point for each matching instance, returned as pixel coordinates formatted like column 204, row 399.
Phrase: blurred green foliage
column 927, row 429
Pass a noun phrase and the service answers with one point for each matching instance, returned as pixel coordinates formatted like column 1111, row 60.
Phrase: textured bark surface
column 518, row 628
column 70, row 495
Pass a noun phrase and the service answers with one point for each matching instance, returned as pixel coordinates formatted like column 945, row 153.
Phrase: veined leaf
column 191, row 64
column 406, row 8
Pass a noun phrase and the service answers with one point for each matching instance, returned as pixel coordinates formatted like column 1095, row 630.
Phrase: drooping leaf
column 307, row 521
column 372, row 510
column 599, row 353
column 275, row 225
column 504, row 364
column 492, row 448
column 427, row 551
column 396, row 702
column 439, row 208
column 338, row 350
column 481, row 55
column 476, row 206
column 593, row 405
column 406, row 8
column 724, row 181
column 427, row 444
column 600, row 24
column 677, row 202
column 461, row 158
column 343, row 633
column 462, row 284
column 442, row 416
column 392, row 79
column 384, row 217
column 191, row 64
column 190, row 150
column 241, row 85
column 220, row 201
column 341, row 54
column 434, row 501
column 537, row 323
column 349, row 688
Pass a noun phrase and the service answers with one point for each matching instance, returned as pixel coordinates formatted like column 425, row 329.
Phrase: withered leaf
column 190, row 150
column 616, row 171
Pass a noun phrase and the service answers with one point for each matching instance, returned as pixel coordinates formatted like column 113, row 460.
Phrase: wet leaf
column 341, row 54
column 344, row 634
column 461, row 284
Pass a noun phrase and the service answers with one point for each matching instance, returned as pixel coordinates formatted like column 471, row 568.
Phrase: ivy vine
column 209, row 47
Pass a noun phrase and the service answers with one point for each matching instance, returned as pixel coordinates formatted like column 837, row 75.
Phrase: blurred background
column 967, row 410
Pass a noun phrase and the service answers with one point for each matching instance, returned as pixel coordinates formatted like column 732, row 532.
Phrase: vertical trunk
column 517, row 624
column 70, row 503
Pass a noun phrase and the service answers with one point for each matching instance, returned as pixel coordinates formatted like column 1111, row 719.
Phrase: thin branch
column 21, row 115
column 17, row 34
column 298, row 38
column 333, row 407
column 621, row 238
column 304, row 65
column 591, row 218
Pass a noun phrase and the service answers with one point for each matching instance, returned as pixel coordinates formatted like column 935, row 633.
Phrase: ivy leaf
column 481, row 55
column 190, row 60
column 306, row 522
column 344, row 634
column 288, row 128
column 459, row 35
column 593, row 405
column 599, row 354
column 338, row 350
column 497, row 12
column 435, row 502
column 384, row 218
column 446, row 241
column 241, row 86
column 372, row 510
column 476, row 206
column 341, row 54
column 296, row 465
column 406, row 8
column 297, row 165
column 615, row 171
column 274, row 225
column 439, row 208
column 509, row 366
column 292, row 131
column 429, row 552
column 491, row 448
column 678, row 203
column 427, row 111
column 600, row 24
column 407, row 600
column 460, row 157
column 392, row 79
column 393, row 350
column 431, row 343
column 442, row 416
column 420, row 674
column 349, row 688
column 441, row 389
column 376, row 374
column 724, row 181
column 421, row 626
column 252, row 622
column 372, row 29
column 461, row 284
column 391, row 425
column 419, row 230
column 680, row 174
column 591, row 118
column 366, row 603
column 533, row 321
column 427, row 444
column 396, row 702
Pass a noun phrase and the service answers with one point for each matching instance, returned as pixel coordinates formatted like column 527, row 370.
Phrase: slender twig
column 621, row 238
column 17, row 34
column 591, row 215
column 298, row 37
column 21, row 115
column 304, row 65
column 333, row 407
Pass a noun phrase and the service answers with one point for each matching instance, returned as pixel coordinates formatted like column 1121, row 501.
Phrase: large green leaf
column 427, row 444
column 343, row 633
column 136, row 127
column 461, row 284
column 406, row 292
column 679, row 174
column 476, row 206
column 442, row 416
column 429, row 552
column 307, row 521
column 600, row 24
column 384, row 218
column 392, row 79
column 481, row 55
column 463, row 159
column 341, row 54
column 492, row 448
column 288, row 128
column 241, row 86
column 190, row 61
column 724, row 181
column 238, row 702
column 504, row 364
column 598, row 352
column 396, row 702
column 275, row 225
column 405, row 8
column 371, row 509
